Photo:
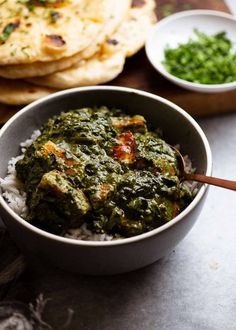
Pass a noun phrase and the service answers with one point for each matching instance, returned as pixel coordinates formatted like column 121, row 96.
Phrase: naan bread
column 126, row 41
column 132, row 33
column 19, row 92
column 104, row 66
column 17, row 71
column 97, row 70
column 114, row 12
column 48, row 30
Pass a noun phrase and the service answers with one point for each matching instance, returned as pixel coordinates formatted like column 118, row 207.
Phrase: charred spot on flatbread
column 55, row 40
column 53, row 43
column 113, row 42
column 138, row 3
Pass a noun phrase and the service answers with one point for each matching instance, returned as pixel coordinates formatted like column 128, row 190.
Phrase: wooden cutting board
column 138, row 73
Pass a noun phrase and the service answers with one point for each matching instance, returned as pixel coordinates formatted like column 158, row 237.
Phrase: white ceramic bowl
column 179, row 28
column 116, row 256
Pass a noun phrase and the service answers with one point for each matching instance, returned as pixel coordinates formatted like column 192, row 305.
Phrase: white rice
column 85, row 234
column 16, row 197
column 12, row 188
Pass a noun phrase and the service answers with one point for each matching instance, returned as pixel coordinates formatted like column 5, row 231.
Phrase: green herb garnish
column 7, row 31
column 24, row 50
column 54, row 16
column 206, row 60
column 13, row 52
column 31, row 4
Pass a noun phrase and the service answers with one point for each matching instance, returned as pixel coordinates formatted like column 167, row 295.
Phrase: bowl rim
column 129, row 240
column 161, row 69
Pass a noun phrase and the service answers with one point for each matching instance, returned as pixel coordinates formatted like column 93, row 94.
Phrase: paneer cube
column 135, row 124
column 125, row 149
column 74, row 201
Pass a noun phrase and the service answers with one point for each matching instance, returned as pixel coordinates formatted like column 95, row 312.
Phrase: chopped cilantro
column 54, row 16
column 206, row 60
column 31, row 4
column 28, row 3
column 7, row 31
column 24, row 50
column 13, row 52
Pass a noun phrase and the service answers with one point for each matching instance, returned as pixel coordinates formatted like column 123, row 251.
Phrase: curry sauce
column 104, row 168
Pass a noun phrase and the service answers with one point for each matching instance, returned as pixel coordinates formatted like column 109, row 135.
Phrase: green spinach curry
column 103, row 168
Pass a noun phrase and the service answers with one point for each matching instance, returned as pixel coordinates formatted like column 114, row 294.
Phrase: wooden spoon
column 228, row 184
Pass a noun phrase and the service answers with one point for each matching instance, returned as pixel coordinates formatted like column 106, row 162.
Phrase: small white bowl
column 179, row 28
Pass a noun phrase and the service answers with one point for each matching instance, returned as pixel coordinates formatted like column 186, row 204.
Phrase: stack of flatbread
column 49, row 45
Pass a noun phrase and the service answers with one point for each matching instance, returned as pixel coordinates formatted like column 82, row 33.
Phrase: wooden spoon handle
column 228, row 184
